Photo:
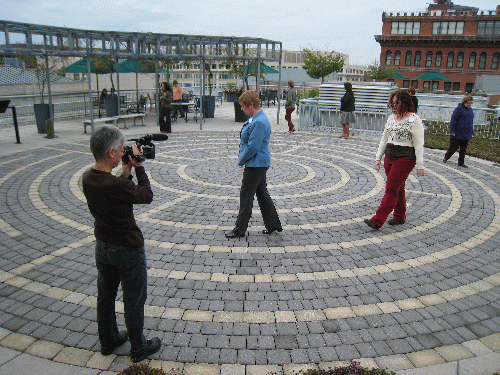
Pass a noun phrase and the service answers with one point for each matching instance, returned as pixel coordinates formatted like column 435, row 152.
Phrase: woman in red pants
column 403, row 146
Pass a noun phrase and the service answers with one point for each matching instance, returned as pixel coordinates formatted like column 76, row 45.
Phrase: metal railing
column 66, row 105
column 316, row 114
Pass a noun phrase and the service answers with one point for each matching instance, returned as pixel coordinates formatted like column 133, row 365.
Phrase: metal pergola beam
column 30, row 39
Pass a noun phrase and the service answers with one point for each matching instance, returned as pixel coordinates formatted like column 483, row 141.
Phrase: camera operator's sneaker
column 151, row 347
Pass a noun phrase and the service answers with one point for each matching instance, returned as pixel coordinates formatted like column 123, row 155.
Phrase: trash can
column 239, row 115
column 209, row 106
column 42, row 114
column 111, row 104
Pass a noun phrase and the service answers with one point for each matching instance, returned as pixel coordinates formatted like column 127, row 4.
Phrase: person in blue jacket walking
column 254, row 154
column 461, row 129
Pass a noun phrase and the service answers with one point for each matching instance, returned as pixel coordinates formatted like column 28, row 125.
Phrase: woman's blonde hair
column 249, row 98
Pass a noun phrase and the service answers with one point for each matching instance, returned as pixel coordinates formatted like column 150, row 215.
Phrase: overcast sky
column 345, row 26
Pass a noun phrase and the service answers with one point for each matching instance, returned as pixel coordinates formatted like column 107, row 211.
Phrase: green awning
column 433, row 76
column 399, row 75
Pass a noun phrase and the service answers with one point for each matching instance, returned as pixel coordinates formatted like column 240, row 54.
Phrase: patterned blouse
column 408, row 132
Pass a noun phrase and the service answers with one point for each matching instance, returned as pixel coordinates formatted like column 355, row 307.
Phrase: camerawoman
column 119, row 250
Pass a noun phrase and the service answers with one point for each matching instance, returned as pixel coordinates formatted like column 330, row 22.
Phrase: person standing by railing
column 347, row 110
column 166, row 106
column 461, row 130
column 291, row 97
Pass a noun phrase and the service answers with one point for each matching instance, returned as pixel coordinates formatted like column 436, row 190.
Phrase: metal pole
column 279, row 89
column 202, row 90
column 16, row 127
column 48, row 86
column 89, row 74
column 118, row 86
column 257, row 78
column 157, row 96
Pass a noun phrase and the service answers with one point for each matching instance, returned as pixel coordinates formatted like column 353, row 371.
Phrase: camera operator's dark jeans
column 127, row 265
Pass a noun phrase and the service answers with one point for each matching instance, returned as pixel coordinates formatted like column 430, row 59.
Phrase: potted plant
column 43, row 112
column 232, row 92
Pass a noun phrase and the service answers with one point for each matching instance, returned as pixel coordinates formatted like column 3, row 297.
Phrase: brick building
column 457, row 41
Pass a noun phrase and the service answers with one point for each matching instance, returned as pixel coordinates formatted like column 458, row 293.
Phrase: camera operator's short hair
column 467, row 98
column 104, row 138
column 250, row 97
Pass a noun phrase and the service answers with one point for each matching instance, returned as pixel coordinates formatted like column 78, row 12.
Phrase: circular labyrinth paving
column 326, row 289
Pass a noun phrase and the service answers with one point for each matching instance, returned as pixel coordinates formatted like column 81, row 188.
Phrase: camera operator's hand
column 127, row 167
column 136, row 151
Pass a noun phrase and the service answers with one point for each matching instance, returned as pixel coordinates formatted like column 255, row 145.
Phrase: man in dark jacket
column 119, row 250
column 461, row 129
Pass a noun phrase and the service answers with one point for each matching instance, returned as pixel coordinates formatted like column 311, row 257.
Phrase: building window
column 451, row 57
column 472, row 60
column 447, row 86
column 428, row 59
column 427, row 85
column 482, row 61
column 406, row 83
column 494, row 62
column 418, row 55
column 408, row 58
column 388, row 58
column 414, row 84
column 469, row 87
column 435, row 85
column 447, row 28
column 439, row 58
column 456, row 86
column 410, row 28
column 488, row 28
column 397, row 58
column 460, row 60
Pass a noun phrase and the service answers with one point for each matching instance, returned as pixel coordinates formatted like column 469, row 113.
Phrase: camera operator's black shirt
column 110, row 200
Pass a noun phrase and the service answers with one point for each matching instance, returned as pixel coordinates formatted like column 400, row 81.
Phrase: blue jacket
column 254, row 142
column 462, row 122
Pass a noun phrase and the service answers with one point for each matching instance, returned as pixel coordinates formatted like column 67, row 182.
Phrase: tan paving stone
column 409, row 304
column 431, row 299
column 394, row 362
column 44, row 349
column 259, row 317
column 167, row 366
column 492, row 342
column 285, row 317
column 425, row 358
column 73, row 356
column 310, row 315
column 477, row 347
column 454, row 352
column 173, row 313
column 201, row 369
column 198, row 316
column 293, row 369
column 101, row 362
column 17, row 341
column 339, row 313
column 364, row 310
column 262, row 370
column 229, row 316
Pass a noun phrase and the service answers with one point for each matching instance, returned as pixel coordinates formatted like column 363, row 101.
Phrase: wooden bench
column 133, row 116
column 102, row 120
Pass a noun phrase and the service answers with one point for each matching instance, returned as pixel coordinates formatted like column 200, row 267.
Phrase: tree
column 319, row 65
column 378, row 73
column 39, row 66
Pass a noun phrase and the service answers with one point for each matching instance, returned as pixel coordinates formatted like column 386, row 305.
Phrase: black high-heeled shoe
column 265, row 231
column 234, row 234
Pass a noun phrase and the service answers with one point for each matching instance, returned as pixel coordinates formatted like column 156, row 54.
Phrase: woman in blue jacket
column 255, row 156
column 461, row 129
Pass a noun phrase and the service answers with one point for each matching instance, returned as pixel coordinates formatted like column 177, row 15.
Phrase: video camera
column 148, row 149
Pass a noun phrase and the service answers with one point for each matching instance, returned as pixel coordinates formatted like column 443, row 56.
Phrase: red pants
column 288, row 117
column 397, row 171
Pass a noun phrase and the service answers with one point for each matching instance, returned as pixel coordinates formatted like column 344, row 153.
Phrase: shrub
column 354, row 368
column 143, row 369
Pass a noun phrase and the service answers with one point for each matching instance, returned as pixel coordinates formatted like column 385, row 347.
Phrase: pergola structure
column 21, row 39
